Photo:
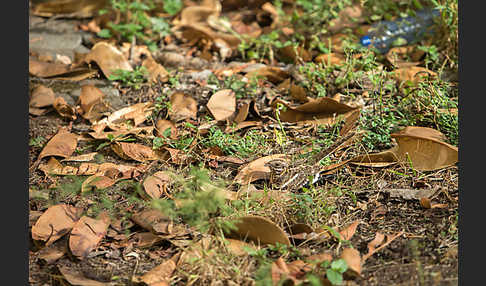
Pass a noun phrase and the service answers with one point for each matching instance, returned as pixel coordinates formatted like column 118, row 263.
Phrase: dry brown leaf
column 81, row 158
column 59, row 71
column 55, row 222
column 423, row 149
column 377, row 244
column 241, row 125
column 317, row 259
column 182, row 107
column 259, row 230
column 349, row 17
column 295, row 54
column 134, row 151
column 237, row 247
column 62, row 145
column 353, row 260
column 155, row 70
column 64, row 109
column 323, row 110
column 257, row 170
column 55, row 168
column 108, row 58
column 53, row 252
column 87, row 234
column 142, row 132
column 91, row 102
column 77, row 278
column 398, row 56
column 427, row 204
column 156, row 185
column 42, row 96
column 79, row 8
column 146, row 239
column 413, row 74
column 349, row 231
column 273, row 74
column 137, row 113
column 350, row 122
column 242, row 113
column 152, row 219
column 98, row 181
column 222, row 104
column 330, row 59
column 279, row 271
column 158, row 276
column 298, row 93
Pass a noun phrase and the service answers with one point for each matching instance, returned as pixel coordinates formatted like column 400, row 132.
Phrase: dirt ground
column 426, row 254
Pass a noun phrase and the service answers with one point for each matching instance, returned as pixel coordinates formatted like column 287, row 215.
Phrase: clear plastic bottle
column 386, row 34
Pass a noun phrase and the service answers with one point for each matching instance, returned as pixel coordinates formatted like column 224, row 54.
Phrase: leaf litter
column 289, row 126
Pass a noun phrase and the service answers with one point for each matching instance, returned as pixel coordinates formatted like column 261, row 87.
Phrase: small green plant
column 37, row 142
column 133, row 78
column 335, row 270
column 200, row 203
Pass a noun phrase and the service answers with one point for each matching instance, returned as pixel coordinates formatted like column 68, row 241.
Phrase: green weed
column 133, row 78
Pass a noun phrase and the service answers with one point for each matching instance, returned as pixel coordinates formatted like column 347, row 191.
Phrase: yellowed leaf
column 59, row 71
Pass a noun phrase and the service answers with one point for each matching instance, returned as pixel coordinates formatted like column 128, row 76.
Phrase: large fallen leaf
column 54, row 167
column 413, row 73
column 79, row 8
column 77, row 278
column 134, row 151
column 323, row 110
column 273, row 74
column 353, row 260
column 424, row 149
column 62, row 145
column 156, row 185
column 87, row 234
column 42, row 96
column 119, row 120
column 257, row 169
column 259, row 230
column 182, row 107
column 91, row 102
column 222, row 104
column 108, row 58
column 55, row 222
column 159, row 275
column 59, row 71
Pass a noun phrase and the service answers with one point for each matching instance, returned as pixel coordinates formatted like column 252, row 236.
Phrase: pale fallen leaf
column 98, row 181
column 259, row 230
column 159, row 275
column 162, row 125
column 222, row 104
column 54, row 167
column 81, row 158
column 257, row 169
column 182, row 107
column 108, row 58
column 150, row 219
column 56, row 221
column 79, row 8
column 91, row 102
column 137, row 113
column 398, row 56
column 156, row 185
column 376, row 244
column 146, row 239
column 77, row 278
column 62, row 145
column 59, row 71
column 87, row 234
column 42, row 96
column 238, row 247
column 155, row 70
column 349, row 231
column 141, row 132
column 273, row 74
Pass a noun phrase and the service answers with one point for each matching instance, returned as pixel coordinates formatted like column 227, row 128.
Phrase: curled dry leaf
column 108, row 58
column 353, row 260
column 91, row 102
column 424, row 149
column 222, row 104
column 55, row 168
column 182, row 107
column 87, row 234
column 428, row 204
column 158, row 276
column 137, row 113
column 59, row 71
column 257, row 169
column 381, row 159
column 64, row 109
column 273, row 74
column 77, row 278
column 55, row 222
column 80, row 8
column 62, row 145
column 156, row 185
column 413, row 73
column 242, row 125
column 242, row 112
column 349, row 231
column 134, row 151
column 146, row 239
column 323, row 110
column 259, row 230
column 155, row 70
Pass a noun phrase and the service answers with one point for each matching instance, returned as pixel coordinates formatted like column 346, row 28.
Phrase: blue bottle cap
column 365, row 40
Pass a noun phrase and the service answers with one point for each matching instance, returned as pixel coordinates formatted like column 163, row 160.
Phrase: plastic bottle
column 386, row 34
